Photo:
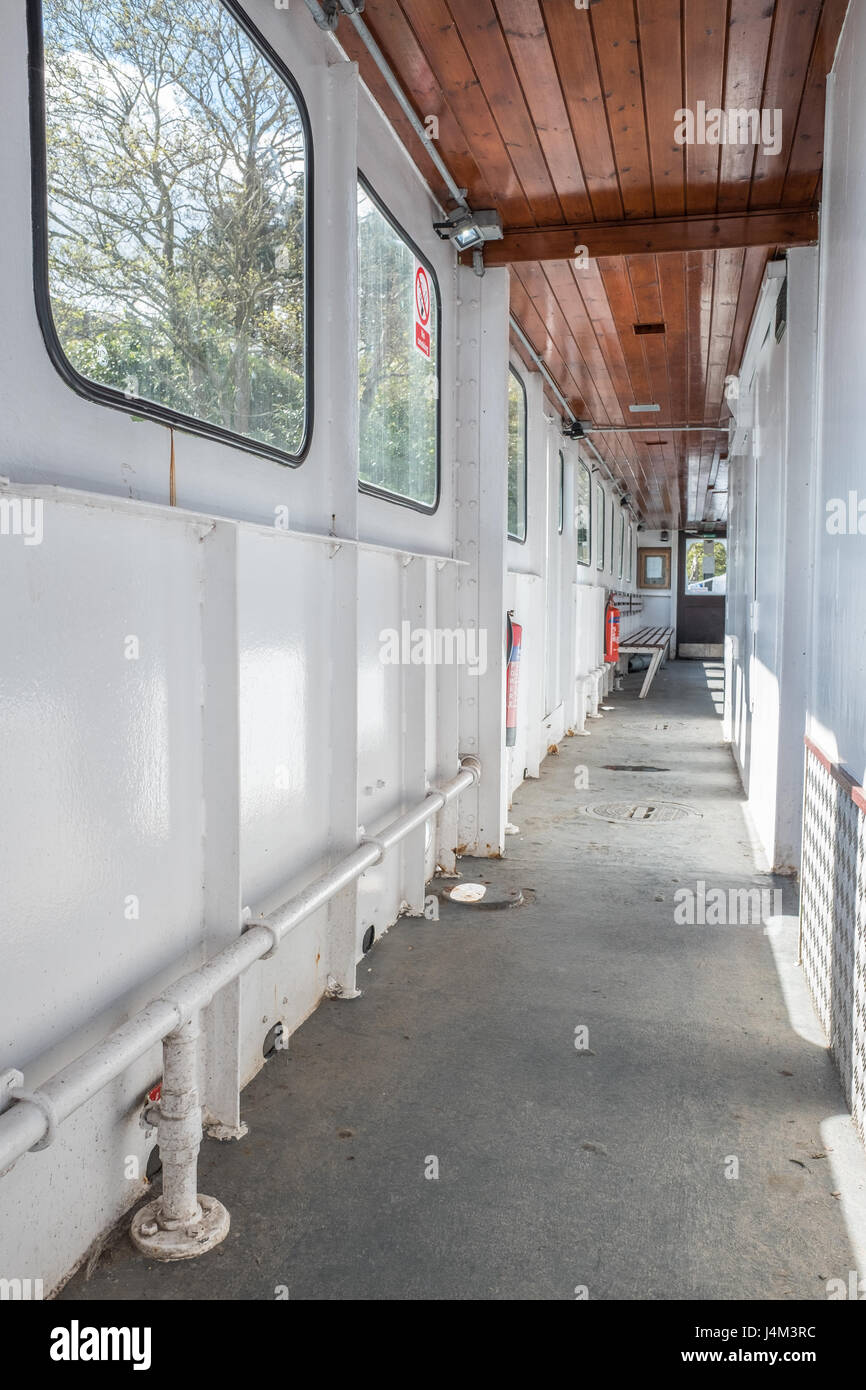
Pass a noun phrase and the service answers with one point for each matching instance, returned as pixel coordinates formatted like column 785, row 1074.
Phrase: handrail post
column 181, row 1223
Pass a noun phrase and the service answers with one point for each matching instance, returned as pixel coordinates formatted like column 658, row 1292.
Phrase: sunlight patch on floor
column 840, row 1139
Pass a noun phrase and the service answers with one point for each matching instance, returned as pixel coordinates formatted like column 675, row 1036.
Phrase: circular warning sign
column 422, row 295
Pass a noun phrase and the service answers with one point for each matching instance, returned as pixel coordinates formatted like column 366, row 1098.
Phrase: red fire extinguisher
column 513, row 642
column 611, row 632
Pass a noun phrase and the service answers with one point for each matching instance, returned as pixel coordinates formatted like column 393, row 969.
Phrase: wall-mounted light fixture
column 468, row 229
column 572, row 429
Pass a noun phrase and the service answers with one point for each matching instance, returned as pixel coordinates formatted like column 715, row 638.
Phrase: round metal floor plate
column 151, row 1239
column 642, row 812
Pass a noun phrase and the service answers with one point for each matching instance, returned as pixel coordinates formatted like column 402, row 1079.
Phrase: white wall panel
column 102, row 764
column 103, row 818
column 771, row 537
column 838, row 703
column 287, row 612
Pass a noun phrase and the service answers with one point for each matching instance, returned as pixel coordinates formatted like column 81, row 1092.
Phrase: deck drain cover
column 467, row 892
column 642, row 812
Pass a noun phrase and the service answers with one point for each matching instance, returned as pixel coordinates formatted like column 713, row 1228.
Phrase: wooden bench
column 648, row 641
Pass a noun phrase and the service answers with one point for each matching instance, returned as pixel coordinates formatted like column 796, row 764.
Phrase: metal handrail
column 33, row 1117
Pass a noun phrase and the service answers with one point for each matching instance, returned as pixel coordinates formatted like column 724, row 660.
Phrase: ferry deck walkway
column 560, row 1168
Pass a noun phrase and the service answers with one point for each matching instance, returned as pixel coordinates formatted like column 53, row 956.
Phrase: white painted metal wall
column 237, row 746
column 837, row 704
column 796, row 658
column 770, row 539
column 796, row 608
column 833, row 914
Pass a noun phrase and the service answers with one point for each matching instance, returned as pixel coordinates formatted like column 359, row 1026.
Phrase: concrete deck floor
column 557, row 1168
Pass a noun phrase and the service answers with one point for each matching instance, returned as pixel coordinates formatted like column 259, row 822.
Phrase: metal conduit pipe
column 542, row 367
column 589, row 444
column 601, row 462
column 375, row 52
column 183, row 1223
column 545, row 372
column 657, row 429
column 324, row 21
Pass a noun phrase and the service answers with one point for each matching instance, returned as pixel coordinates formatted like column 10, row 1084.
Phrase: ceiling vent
column 641, row 329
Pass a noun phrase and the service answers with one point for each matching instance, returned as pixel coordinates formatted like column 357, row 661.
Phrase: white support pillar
column 447, row 726
column 342, row 747
column 414, row 713
column 222, row 799
column 534, row 557
column 337, row 425
column 804, row 526
column 570, row 663
column 481, row 497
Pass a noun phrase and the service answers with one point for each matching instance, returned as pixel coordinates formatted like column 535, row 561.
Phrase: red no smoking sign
column 423, row 302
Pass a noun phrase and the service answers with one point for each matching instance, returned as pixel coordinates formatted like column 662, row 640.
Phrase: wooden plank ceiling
column 562, row 118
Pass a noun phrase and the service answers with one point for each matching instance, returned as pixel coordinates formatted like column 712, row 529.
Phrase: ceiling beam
column 710, row 232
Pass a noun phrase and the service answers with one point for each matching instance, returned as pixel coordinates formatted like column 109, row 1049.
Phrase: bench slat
column 649, row 639
column 652, row 637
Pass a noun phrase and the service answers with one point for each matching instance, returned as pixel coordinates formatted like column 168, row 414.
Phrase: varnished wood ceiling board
column 562, row 119
column 582, row 322
column 556, row 114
